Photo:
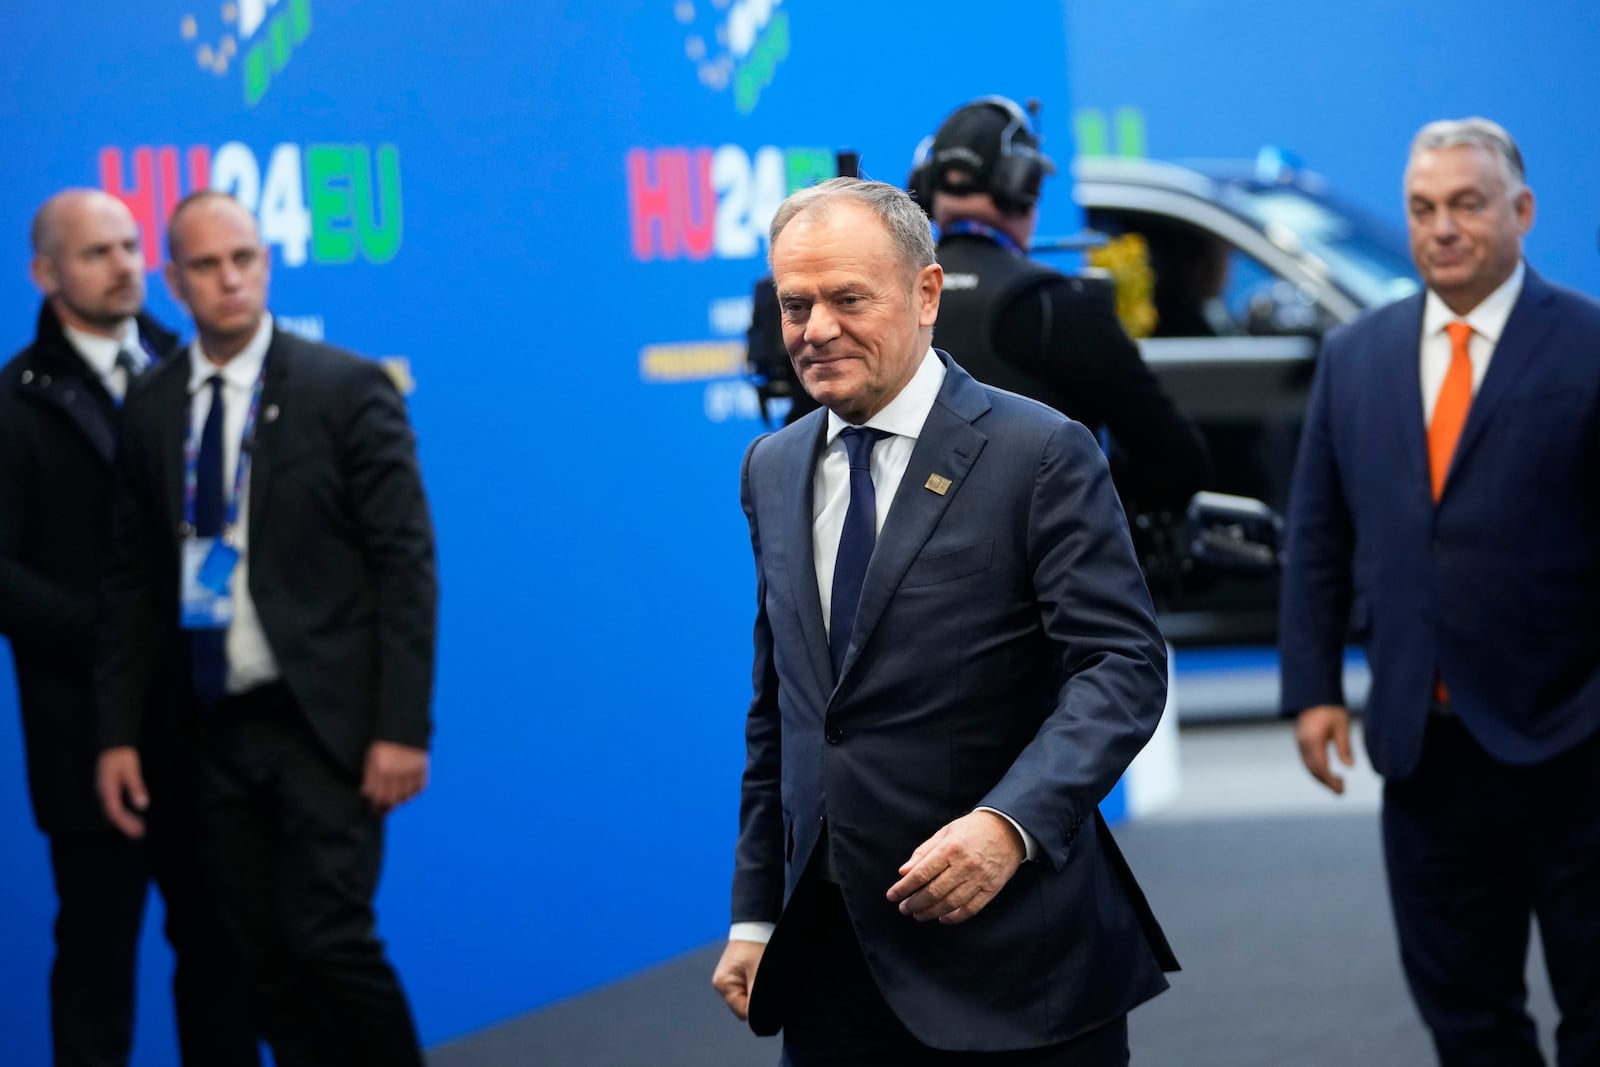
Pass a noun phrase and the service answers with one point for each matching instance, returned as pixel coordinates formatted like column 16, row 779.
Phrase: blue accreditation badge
column 205, row 601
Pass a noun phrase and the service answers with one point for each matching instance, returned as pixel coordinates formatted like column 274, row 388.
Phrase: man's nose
column 821, row 326
column 1444, row 224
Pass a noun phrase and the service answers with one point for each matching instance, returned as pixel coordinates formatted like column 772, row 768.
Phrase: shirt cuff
column 1030, row 847
column 760, row 933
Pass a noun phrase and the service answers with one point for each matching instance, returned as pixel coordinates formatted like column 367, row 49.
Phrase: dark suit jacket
column 58, row 430
column 1497, row 588
column 1005, row 654
column 340, row 551
column 1024, row 327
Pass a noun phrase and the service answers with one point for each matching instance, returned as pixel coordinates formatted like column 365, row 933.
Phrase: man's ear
column 930, row 283
column 174, row 283
column 1523, row 206
column 44, row 274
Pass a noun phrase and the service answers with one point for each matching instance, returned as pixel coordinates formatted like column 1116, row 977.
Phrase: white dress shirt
column 1488, row 322
column 903, row 417
column 100, row 353
column 250, row 659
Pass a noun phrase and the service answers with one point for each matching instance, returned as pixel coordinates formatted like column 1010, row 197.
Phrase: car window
column 1369, row 263
column 1247, row 278
column 1202, row 284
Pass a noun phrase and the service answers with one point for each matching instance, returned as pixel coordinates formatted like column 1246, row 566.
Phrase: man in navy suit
column 1444, row 507
column 955, row 659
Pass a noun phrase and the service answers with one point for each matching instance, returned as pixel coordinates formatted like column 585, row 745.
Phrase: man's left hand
column 955, row 873
column 394, row 774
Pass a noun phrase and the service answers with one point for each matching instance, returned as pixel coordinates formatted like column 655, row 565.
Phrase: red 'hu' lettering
column 673, row 209
column 152, row 191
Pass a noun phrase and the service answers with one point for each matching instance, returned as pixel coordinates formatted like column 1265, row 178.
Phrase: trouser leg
column 101, row 882
column 209, row 993
column 1462, row 901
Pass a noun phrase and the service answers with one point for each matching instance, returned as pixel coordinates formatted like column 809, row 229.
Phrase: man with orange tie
column 1445, row 510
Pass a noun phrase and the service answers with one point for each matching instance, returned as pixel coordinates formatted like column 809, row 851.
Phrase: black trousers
column 834, row 1015
column 294, row 851
column 102, row 879
column 1475, row 848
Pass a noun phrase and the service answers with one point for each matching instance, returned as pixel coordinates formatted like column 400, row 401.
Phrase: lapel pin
column 938, row 483
column 271, row 414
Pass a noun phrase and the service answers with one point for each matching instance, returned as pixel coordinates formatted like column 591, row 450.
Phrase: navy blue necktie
column 131, row 368
column 855, row 541
column 209, row 647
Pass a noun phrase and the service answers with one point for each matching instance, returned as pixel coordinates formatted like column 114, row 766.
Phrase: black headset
column 1014, row 178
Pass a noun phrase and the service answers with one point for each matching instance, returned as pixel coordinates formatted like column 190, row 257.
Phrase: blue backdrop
column 1345, row 86
column 554, row 214
column 551, row 215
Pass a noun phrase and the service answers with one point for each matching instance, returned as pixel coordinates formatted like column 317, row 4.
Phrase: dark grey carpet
column 1282, row 925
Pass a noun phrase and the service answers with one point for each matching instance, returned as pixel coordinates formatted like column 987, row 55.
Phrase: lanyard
column 978, row 229
column 241, row 469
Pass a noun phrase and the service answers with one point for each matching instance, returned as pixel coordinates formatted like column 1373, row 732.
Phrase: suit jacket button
column 833, row 735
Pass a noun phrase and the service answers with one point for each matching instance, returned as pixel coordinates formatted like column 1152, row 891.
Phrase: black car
column 1249, row 264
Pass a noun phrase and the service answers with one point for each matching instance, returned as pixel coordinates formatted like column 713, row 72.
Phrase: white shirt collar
column 904, row 415
column 101, row 352
column 1488, row 318
column 241, row 371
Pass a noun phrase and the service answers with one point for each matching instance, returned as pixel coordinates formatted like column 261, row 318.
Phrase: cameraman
column 1030, row 329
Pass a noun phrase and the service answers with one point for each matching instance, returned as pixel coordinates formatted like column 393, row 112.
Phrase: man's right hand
column 735, row 975
column 122, row 792
column 1316, row 728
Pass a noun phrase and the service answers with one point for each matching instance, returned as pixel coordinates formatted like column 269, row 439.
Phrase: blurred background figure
column 60, row 401
column 287, row 599
column 1191, row 272
column 1028, row 328
column 1443, row 504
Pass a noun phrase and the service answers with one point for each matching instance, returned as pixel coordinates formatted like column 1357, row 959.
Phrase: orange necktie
column 1449, row 415
column 1450, row 410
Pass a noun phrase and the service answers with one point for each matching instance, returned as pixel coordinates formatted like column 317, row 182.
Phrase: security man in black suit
column 59, row 409
column 1032, row 330
column 273, row 571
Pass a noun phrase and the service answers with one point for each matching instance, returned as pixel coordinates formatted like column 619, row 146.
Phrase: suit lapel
column 947, row 447
column 263, row 444
column 83, row 402
column 1526, row 328
column 64, row 381
column 173, row 412
column 1401, row 380
column 796, row 479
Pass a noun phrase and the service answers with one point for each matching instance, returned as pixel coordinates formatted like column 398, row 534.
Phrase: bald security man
column 60, row 401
